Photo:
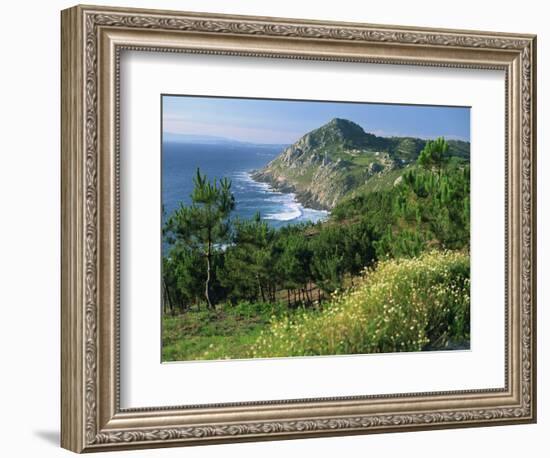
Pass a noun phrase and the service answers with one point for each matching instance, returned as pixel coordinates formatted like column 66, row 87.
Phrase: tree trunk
column 208, row 268
column 260, row 288
column 167, row 298
column 306, row 295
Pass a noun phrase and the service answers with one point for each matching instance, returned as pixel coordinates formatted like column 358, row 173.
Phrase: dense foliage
column 253, row 262
column 427, row 209
column 403, row 305
column 197, row 228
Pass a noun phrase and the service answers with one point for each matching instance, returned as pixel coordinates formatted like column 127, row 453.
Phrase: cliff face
column 340, row 157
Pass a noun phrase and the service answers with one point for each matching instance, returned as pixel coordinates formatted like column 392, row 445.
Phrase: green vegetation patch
column 404, row 305
column 227, row 332
column 237, row 288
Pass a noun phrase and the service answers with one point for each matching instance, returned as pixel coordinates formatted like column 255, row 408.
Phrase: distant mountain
column 169, row 137
column 340, row 157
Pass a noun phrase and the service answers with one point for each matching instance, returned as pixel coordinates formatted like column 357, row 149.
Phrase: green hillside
column 339, row 158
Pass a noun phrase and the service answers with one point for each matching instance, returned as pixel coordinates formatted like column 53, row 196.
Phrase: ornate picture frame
column 93, row 39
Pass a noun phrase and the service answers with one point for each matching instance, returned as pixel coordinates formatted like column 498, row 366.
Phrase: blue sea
column 234, row 161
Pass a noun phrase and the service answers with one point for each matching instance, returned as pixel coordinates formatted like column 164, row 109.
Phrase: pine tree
column 204, row 225
column 433, row 156
column 247, row 271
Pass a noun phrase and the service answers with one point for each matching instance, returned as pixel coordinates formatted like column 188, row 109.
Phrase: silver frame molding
column 92, row 40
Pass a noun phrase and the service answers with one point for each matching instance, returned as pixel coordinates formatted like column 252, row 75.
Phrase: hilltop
column 340, row 158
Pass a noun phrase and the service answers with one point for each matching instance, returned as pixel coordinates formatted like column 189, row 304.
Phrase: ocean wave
column 281, row 207
column 287, row 214
column 280, row 198
column 246, row 179
column 289, row 208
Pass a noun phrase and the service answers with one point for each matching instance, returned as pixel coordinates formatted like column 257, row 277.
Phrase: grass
column 228, row 332
column 380, row 182
column 404, row 305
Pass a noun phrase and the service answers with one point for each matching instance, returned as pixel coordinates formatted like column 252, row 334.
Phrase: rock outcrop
column 340, row 157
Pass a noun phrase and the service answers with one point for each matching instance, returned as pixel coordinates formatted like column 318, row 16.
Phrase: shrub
column 247, row 309
column 403, row 305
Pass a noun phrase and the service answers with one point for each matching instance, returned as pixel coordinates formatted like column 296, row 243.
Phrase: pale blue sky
column 284, row 121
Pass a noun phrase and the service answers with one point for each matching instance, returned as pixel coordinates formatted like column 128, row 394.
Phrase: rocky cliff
column 340, row 157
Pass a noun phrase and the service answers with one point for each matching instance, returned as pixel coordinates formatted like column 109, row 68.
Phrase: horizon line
column 375, row 133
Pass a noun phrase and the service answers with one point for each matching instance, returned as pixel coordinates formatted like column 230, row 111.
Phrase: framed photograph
column 279, row 228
